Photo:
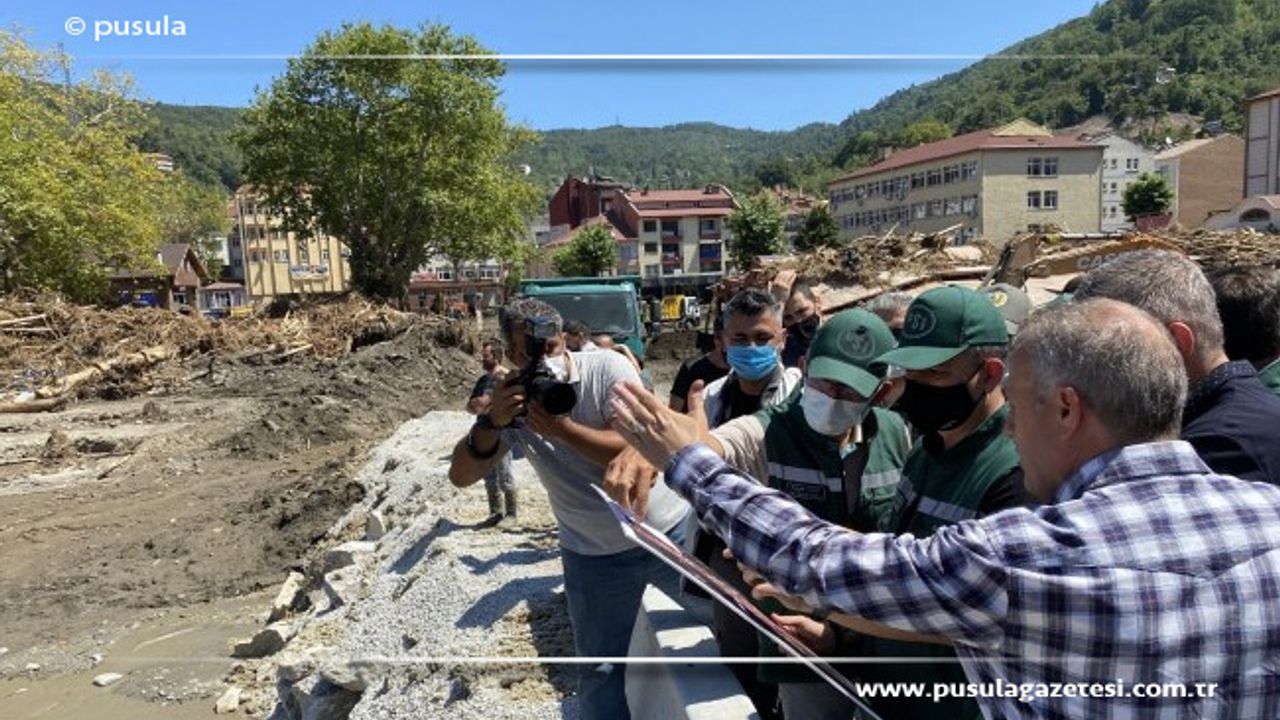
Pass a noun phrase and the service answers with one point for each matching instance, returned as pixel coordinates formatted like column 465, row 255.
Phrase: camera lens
column 555, row 397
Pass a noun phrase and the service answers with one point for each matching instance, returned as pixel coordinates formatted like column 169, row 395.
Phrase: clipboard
column 722, row 592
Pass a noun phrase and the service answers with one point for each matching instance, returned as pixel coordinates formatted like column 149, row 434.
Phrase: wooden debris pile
column 52, row 351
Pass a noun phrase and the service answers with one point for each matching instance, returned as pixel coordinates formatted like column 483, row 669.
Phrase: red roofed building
column 990, row 183
column 662, row 235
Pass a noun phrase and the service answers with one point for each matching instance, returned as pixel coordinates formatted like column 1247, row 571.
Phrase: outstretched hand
column 656, row 431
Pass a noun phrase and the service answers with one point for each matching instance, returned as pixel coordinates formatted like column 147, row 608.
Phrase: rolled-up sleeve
column 950, row 584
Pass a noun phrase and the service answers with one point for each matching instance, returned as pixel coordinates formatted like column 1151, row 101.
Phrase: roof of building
column 648, row 196
column 1017, row 135
column 684, row 212
column 1183, row 148
column 1262, row 96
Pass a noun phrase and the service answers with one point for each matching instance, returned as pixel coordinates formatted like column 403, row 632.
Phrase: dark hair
column 752, row 302
column 1249, row 304
column 493, row 342
column 576, row 327
column 515, row 312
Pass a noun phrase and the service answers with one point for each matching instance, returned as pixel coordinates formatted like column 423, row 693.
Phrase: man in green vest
column 834, row 452
column 952, row 349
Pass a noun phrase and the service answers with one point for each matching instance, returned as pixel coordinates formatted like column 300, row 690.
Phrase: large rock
column 229, row 702
column 316, row 699
column 348, row 676
column 341, row 587
column 287, row 599
column 266, row 641
column 106, row 679
column 375, row 527
column 347, row 554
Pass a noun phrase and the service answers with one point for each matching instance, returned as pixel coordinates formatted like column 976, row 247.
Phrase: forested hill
column 1128, row 60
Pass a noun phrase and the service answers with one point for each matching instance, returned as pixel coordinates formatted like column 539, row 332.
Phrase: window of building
column 280, row 256
column 709, row 225
column 651, row 247
column 1114, row 163
column 179, row 298
column 917, row 180
column 422, row 298
column 651, row 226
column 1034, row 167
column 324, row 256
column 1033, row 200
column 918, row 211
column 237, row 262
column 969, row 204
column 950, row 173
column 1050, row 167
column 489, row 273
column 935, row 208
column 651, row 270
column 969, row 170
column 953, row 206
column 1131, row 165
column 933, row 177
column 670, row 227
column 1050, row 199
column 444, row 274
column 1114, row 188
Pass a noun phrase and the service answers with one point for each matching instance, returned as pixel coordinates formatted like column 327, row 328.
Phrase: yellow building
column 991, row 183
column 272, row 262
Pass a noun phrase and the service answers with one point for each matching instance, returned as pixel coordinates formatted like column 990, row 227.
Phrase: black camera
column 540, row 384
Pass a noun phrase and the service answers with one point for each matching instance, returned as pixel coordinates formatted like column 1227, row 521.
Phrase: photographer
column 604, row 573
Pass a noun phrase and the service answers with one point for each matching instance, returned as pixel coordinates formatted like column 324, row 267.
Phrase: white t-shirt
column 586, row 525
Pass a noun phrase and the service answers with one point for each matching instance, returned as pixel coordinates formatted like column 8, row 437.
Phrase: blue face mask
column 752, row 362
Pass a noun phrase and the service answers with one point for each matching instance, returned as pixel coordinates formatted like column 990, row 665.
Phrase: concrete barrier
column 676, row 690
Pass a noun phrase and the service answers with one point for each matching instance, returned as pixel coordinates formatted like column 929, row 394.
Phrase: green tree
column 592, row 252
column 77, row 197
column 757, row 229
column 819, row 230
column 1149, row 194
column 400, row 158
column 195, row 214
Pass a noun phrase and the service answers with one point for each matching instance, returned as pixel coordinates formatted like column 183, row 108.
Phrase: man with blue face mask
column 753, row 340
column 832, row 450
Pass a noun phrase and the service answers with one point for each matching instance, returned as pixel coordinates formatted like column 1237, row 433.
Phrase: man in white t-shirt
column 604, row 573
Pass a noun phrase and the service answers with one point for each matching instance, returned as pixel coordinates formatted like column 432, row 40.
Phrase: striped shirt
column 1147, row 568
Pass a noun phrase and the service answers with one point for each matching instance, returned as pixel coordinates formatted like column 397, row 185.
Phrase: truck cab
column 608, row 305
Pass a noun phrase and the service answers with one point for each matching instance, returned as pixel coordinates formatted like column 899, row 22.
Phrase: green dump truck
column 606, row 304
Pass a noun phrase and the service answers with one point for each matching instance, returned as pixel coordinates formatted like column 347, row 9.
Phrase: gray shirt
column 586, row 525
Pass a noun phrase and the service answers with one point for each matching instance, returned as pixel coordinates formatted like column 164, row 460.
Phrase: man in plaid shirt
column 1142, row 567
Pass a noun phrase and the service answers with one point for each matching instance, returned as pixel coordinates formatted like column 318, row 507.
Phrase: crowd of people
column 1074, row 497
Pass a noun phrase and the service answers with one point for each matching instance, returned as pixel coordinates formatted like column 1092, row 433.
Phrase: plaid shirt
column 1148, row 568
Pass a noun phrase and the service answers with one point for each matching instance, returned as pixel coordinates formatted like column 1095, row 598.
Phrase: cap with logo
column 1014, row 304
column 845, row 347
column 941, row 324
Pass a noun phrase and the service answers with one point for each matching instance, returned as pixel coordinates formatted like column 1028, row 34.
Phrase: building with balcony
column 441, row 285
column 1206, row 175
column 991, row 183
column 668, row 237
column 272, row 262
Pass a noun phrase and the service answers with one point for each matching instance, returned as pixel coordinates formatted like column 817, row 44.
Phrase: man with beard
column 500, row 482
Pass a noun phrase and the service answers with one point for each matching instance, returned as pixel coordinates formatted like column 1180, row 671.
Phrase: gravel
column 439, row 584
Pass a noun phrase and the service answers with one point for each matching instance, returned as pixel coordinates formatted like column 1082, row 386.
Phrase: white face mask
column 830, row 416
column 557, row 367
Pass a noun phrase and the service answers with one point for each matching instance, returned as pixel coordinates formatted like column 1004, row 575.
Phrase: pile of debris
column 52, row 351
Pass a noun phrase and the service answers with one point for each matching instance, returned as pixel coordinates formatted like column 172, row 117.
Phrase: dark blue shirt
column 1233, row 422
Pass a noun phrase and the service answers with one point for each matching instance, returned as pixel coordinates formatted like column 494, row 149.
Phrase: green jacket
column 852, row 486
column 939, row 489
column 1270, row 376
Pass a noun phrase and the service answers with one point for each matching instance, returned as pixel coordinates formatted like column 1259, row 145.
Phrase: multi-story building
column 272, row 262
column 1123, row 160
column 990, row 183
column 1262, row 157
column 1206, row 176
column 796, row 206
column 441, row 285
column 669, row 237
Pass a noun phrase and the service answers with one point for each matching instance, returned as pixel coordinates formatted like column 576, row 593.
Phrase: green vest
column 1270, row 376
column 938, row 490
column 810, row 467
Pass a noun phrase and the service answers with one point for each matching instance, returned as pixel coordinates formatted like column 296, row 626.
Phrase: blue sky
column 764, row 95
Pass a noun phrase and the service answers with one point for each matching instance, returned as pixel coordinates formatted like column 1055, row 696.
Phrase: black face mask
column 930, row 409
column 799, row 335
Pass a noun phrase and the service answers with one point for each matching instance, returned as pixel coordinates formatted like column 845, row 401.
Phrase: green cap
column 941, row 324
column 845, row 347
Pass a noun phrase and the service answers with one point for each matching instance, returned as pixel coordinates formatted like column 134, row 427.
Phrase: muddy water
column 173, row 668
